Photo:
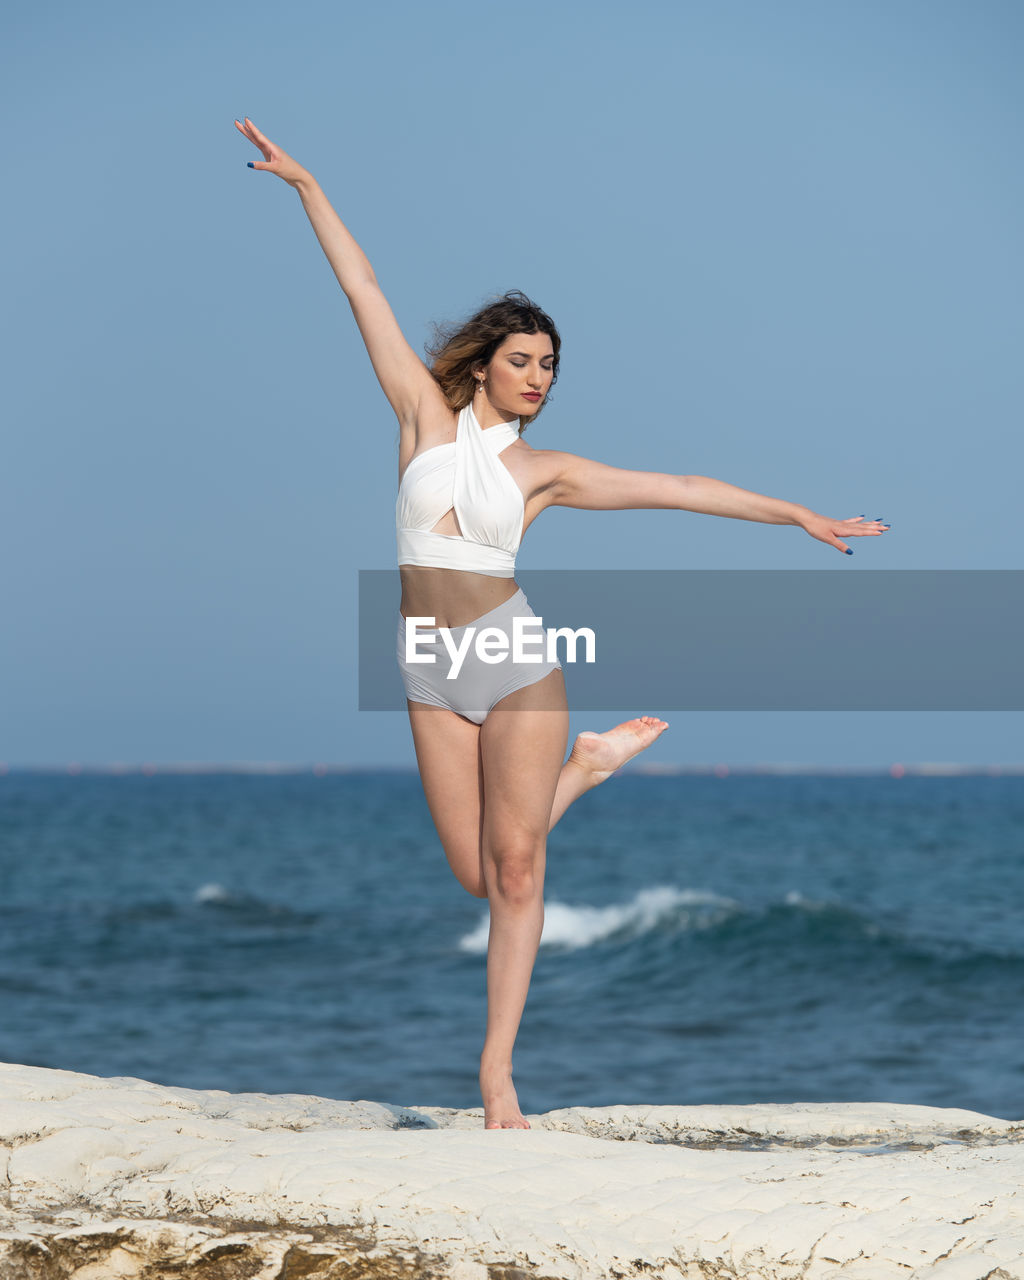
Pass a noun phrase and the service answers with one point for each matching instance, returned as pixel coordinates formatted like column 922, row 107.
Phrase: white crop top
column 467, row 476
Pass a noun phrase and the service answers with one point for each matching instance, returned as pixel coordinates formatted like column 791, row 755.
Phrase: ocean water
column 707, row 940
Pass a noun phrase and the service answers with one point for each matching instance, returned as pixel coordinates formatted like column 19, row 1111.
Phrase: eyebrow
column 526, row 355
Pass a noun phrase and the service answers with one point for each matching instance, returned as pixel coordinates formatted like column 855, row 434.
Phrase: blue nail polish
column 249, row 163
column 849, row 551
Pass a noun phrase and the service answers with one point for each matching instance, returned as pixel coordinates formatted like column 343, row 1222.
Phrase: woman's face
column 519, row 374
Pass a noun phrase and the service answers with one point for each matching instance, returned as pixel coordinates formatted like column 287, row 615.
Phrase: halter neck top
column 467, row 476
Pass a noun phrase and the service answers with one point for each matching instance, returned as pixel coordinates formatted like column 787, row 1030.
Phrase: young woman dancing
column 491, row 744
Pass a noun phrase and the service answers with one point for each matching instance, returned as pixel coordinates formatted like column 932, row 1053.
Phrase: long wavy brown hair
column 459, row 348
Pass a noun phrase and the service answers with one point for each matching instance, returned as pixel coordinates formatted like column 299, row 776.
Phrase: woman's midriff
column 452, row 597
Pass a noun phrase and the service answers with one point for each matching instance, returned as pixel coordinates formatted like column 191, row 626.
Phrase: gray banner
column 757, row 640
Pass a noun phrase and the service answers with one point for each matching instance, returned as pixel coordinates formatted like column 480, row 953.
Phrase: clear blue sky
column 782, row 242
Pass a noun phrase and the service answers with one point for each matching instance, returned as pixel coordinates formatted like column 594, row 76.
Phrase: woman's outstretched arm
column 403, row 376
column 592, row 486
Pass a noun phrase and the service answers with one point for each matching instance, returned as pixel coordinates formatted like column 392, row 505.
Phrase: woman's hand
column 833, row 531
column 275, row 160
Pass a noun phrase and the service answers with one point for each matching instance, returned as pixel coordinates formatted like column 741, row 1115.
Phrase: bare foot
column 600, row 754
column 501, row 1104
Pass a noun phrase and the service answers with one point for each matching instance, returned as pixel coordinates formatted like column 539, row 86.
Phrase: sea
column 709, row 938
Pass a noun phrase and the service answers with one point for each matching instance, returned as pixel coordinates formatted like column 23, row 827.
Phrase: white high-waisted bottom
column 479, row 685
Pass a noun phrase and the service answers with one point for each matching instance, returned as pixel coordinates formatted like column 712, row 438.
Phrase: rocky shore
column 117, row 1178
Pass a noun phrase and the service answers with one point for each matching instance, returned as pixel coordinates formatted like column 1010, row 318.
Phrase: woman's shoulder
column 540, row 466
column 539, row 456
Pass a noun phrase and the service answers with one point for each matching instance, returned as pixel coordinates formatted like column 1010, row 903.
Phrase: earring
column 480, row 384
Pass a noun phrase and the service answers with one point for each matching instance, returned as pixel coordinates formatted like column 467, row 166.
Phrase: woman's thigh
column 522, row 749
column 495, row 781
column 448, row 755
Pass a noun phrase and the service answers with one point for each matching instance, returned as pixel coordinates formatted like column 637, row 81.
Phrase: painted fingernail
column 849, row 551
column 249, row 163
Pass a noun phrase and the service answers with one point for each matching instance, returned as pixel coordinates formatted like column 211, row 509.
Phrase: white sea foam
column 575, row 927
column 211, row 893
column 796, row 899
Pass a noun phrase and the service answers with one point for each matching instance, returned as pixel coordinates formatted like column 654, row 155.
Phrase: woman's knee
column 514, row 867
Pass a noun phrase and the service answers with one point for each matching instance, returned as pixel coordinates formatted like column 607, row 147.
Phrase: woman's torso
column 504, row 499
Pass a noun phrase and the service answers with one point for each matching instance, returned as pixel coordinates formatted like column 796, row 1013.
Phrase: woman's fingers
column 853, row 528
column 247, row 132
column 260, row 139
column 274, row 160
column 256, row 138
column 833, row 532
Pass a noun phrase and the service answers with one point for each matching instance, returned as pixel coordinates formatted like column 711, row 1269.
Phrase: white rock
column 173, row 1177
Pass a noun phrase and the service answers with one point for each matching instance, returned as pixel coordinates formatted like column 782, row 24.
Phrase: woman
column 491, row 744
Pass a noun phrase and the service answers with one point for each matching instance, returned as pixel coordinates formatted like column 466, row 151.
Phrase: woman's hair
column 458, row 349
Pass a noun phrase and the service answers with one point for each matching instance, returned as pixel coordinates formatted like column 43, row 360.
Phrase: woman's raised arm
column 403, row 376
column 593, row 486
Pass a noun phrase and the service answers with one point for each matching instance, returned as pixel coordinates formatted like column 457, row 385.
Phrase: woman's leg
column 494, row 791
column 491, row 805
column 448, row 756
column 522, row 746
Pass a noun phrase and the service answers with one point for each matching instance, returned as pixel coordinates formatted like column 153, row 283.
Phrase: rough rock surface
column 111, row 1178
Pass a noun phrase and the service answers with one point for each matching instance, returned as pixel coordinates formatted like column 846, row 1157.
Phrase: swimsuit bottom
column 480, row 681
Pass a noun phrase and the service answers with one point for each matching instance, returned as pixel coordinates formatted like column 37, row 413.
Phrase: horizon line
column 326, row 768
